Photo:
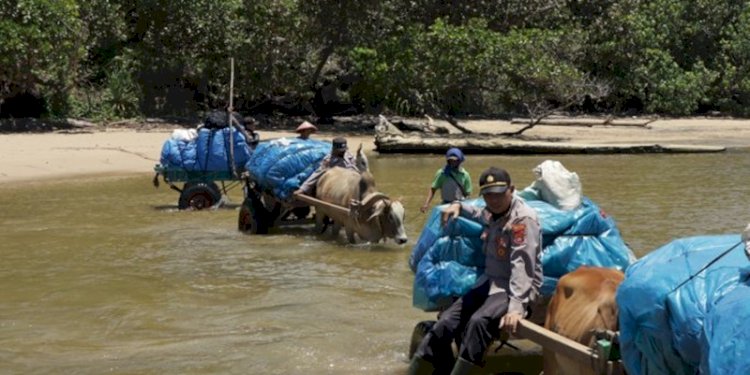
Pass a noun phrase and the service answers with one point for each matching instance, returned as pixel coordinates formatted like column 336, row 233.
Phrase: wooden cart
column 603, row 358
column 199, row 188
column 262, row 210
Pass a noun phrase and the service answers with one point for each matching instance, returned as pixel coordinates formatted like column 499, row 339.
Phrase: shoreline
column 111, row 151
column 29, row 157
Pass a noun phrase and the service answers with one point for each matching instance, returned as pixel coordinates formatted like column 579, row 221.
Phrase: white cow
column 373, row 215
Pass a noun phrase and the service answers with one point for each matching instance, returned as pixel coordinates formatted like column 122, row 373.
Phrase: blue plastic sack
column 665, row 298
column 727, row 334
column 451, row 266
column 178, row 154
column 212, row 150
column 585, row 236
column 280, row 166
column 209, row 152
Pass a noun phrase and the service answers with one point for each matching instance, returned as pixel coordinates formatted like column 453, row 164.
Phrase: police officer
column 512, row 243
column 339, row 157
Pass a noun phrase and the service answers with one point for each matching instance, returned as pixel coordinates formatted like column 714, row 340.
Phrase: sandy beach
column 40, row 156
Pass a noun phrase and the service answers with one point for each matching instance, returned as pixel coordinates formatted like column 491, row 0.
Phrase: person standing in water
column 453, row 180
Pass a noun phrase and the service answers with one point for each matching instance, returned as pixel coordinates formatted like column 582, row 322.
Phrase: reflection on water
column 103, row 275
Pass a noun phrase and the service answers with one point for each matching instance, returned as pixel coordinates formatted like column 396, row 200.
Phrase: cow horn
column 370, row 200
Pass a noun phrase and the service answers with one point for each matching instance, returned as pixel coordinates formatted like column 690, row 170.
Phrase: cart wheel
column 301, row 212
column 199, row 195
column 251, row 218
column 420, row 330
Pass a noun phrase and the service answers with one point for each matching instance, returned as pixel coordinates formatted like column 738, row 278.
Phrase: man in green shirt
column 453, row 180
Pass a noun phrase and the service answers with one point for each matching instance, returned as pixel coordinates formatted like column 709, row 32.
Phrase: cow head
column 386, row 214
column 363, row 165
column 393, row 225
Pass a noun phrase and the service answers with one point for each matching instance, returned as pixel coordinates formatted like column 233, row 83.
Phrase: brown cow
column 584, row 301
column 374, row 217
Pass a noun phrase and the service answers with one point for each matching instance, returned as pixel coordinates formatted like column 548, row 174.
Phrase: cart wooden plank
column 319, row 203
column 567, row 347
column 557, row 343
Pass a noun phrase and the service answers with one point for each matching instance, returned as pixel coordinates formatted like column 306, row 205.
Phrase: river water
column 104, row 275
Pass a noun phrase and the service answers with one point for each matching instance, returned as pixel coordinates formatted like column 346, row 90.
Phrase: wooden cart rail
column 199, row 189
column 597, row 358
column 315, row 202
column 172, row 174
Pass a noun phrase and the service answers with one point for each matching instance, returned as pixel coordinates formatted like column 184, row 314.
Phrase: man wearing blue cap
column 453, row 180
column 512, row 243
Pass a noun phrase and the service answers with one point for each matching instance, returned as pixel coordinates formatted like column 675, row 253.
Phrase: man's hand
column 510, row 321
column 423, row 209
column 453, row 210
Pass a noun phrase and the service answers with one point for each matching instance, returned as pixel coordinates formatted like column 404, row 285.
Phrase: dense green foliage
column 105, row 59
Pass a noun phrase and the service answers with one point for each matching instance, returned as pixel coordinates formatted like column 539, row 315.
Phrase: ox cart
column 200, row 189
column 522, row 353
column 262, row 210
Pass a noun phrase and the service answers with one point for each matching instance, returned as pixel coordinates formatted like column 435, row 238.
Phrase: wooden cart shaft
column 567, row 347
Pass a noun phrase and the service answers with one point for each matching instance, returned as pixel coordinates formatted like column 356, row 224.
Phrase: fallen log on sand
column 585, row 121
column 488, row 144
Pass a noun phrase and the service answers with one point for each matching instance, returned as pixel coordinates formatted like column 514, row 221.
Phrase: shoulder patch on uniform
column 519, row 234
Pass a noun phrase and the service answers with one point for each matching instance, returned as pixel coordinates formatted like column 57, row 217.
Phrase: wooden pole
column 231, row 84
column 317, row 202
column 230, row 121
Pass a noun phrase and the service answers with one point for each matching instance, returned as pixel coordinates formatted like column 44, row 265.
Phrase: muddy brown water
column 104, row 275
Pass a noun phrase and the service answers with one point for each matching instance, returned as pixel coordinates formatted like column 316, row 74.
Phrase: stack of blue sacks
column 684, row 308
column 217, row 146
column 448, row 260
column 280, row 166
column 209, row 152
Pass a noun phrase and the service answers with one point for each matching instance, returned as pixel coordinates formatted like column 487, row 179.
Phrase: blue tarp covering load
column 282, row 165
column 447, row 261
column 209, row 152
column 728, row 332
column 684, row 310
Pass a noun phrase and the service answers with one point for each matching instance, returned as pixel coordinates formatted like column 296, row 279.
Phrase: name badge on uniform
column 519, row 234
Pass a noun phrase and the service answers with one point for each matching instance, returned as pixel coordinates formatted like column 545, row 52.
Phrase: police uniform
column 511, row 281
column 331, row 160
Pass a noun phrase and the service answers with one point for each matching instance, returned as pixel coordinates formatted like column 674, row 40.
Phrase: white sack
column 556, row 185
column 185, row 135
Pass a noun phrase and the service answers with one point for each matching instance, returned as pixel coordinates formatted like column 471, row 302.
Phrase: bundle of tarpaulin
column 280, row 166
column 448, row 259
column 684, row 308
column 216, row 146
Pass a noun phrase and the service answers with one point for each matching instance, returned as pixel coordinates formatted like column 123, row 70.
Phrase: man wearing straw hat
column 305, row 130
